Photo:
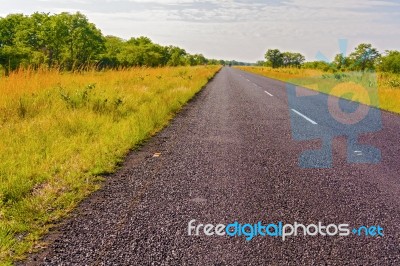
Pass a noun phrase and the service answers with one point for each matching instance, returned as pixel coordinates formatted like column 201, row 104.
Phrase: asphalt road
column 232, row 155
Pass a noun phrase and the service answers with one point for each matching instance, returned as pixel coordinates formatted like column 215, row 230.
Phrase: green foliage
column 65, row 40
column 364, row 57
column 390, row 62
column 70, row 42
column 276, row 58
column 320, row 65
column 292, row 59
column 341, row 62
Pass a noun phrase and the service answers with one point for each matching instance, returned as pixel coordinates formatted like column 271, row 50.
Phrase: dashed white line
column 268, row 93
column 305, row 117
column 259, row 87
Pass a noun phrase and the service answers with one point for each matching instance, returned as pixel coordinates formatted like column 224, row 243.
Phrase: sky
column 238, row 29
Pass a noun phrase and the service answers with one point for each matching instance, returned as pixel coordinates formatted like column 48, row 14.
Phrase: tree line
column 276, row 58
column 69, row 42
column 363, row 58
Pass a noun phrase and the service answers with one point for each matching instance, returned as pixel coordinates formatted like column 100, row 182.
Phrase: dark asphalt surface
column 230, row 156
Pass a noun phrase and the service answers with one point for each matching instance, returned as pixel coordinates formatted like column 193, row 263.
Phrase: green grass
column 60, row 132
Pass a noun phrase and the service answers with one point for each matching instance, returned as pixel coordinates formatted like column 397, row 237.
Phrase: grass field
column 380, row 90
column 60, row 132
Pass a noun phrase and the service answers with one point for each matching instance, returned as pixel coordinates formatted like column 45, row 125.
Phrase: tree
column 69, row 41
column 292, row 59
column 34, row 34
column 196, row 59
column 9, row 27
column 274, row 56
column 84, row 42
column 177, row 57
column 143, row 52
column 390, row 62
column 12, row 52
column 113, row 47
column 364, row 57
column 298, row 59
column 341, row 62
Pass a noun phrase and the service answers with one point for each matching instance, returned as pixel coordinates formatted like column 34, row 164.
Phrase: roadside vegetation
column 70, row 42
column 73, row 103
column 60, row 132
column 377, row 74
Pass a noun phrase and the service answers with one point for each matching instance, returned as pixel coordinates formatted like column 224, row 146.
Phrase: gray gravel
column 229, row 156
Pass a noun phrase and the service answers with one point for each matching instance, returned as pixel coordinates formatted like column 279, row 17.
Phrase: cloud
column 241, row 29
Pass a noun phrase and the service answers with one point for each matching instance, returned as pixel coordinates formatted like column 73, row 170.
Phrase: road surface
column 230, row 156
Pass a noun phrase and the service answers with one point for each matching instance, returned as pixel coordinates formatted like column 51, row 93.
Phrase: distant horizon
column 237, row 29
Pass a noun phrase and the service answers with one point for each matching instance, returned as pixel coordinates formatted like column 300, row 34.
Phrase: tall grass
column 59, row 132
column 386, row 85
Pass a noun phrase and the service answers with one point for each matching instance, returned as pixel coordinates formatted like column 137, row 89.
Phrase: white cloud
column 239, row 29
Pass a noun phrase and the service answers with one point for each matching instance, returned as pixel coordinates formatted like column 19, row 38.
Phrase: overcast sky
column 238, row 29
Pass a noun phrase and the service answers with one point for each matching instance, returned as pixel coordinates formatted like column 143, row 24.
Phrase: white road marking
column 305, row 117
column 268, row 93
